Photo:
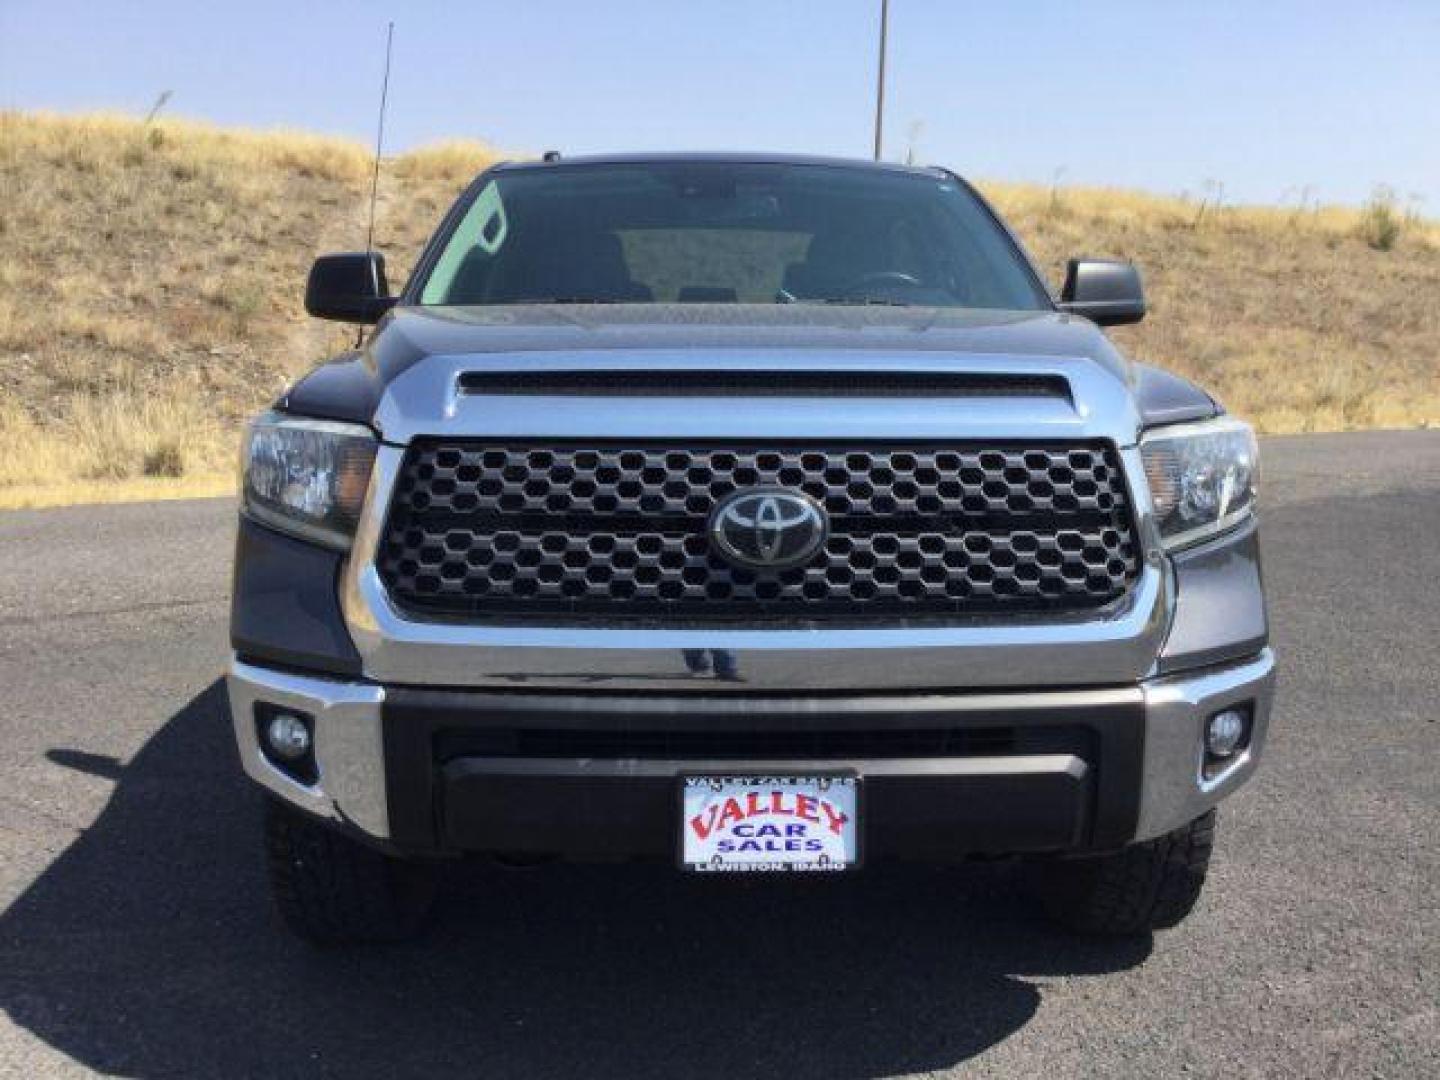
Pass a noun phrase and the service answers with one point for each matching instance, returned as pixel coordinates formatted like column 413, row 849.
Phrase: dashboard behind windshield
column 727, row 233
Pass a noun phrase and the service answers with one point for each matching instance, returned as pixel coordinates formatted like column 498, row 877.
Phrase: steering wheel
column 883, row 277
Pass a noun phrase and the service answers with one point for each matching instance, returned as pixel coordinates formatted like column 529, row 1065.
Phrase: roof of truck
column 723, row 158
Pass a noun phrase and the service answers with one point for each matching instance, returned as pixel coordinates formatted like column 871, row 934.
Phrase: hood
column 594, row 337
column 416, row 332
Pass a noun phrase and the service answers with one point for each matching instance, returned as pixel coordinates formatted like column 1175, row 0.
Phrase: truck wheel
column 1143, row 887
column 332, row 890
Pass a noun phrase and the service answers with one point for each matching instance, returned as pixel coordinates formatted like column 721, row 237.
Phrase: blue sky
column 1266, row 97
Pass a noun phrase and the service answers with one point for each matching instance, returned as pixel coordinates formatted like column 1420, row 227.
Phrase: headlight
column 307, row 477
column 1202, row 477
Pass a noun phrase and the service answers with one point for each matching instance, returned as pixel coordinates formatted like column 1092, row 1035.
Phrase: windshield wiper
column 862, row 301
column 566, row 300
column 783, row 297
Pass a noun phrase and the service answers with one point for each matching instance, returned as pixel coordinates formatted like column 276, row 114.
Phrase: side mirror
column 348, row 288
column 1105, row 291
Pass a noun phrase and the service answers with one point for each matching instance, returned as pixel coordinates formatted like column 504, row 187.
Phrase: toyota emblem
column 767, row 528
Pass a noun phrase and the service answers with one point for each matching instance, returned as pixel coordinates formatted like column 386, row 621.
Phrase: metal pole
column 880, row 79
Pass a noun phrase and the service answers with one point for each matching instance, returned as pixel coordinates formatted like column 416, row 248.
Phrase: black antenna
column 880, row 80
column 379, row 140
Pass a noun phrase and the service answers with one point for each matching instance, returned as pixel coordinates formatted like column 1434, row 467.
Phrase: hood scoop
column 800, row 394
column 696, row 383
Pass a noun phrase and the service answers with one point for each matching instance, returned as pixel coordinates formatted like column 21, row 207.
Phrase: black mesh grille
column 619, row 532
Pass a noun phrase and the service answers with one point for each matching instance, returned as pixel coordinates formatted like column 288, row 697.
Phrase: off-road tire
column 1147, row 886
column 332, row 890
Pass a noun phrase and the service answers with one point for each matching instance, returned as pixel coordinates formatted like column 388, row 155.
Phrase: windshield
column 727, row 233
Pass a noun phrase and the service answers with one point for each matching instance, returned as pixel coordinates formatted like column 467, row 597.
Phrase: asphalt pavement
column 137, row 936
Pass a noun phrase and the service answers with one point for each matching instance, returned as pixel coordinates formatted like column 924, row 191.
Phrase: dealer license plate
column 760, row 823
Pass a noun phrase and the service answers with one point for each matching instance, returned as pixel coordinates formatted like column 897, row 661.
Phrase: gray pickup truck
column 752, row 513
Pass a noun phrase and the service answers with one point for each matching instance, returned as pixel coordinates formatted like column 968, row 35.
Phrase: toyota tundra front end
column 749, row 513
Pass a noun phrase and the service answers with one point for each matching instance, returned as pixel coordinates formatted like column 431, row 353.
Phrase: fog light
column 289, row 736
column 1225, row 733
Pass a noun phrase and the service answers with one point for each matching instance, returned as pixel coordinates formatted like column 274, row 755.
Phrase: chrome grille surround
column 562, row 531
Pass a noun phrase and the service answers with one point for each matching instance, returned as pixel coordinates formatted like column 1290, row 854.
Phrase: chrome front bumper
column 350, row 742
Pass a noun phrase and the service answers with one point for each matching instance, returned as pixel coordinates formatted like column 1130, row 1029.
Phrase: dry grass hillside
column 151, row 277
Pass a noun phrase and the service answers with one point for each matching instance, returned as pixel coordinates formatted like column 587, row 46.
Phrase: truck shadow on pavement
column 149, row 948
